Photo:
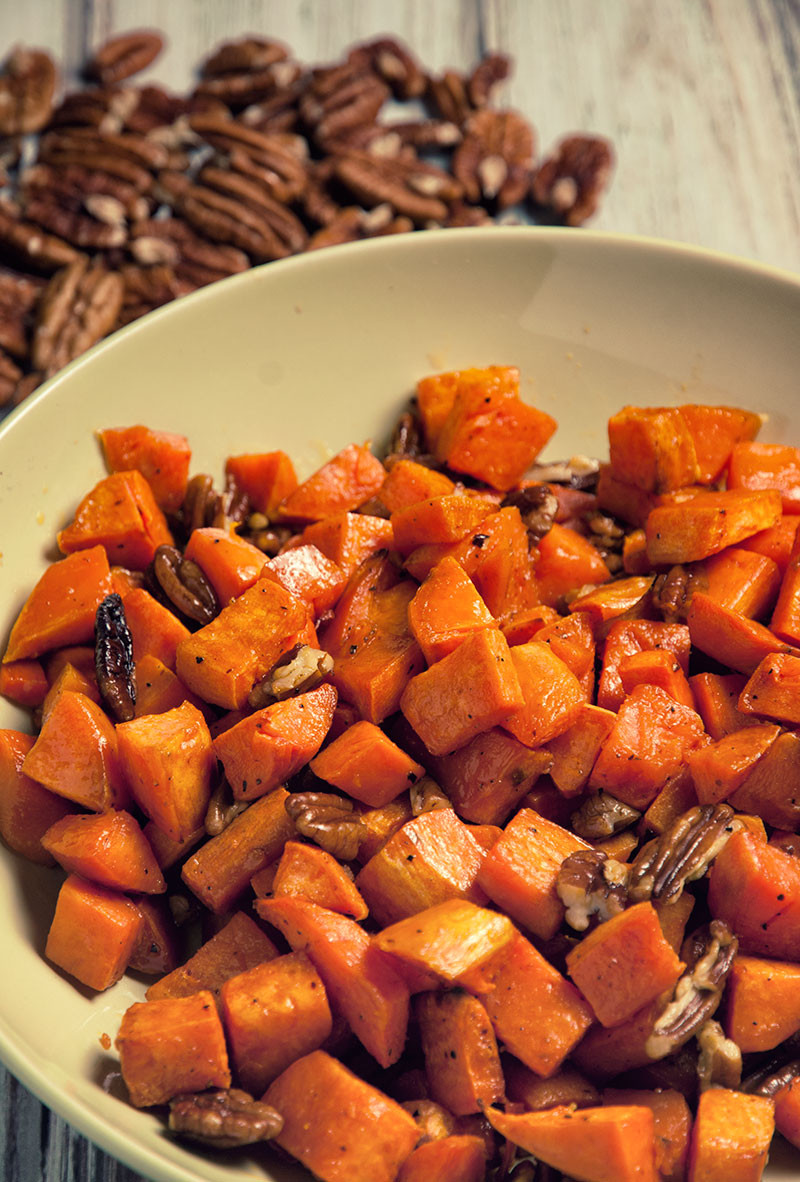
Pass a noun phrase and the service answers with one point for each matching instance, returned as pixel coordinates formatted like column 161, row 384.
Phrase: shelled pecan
column 78, row 307
column 223, row 1119
column 194, row 259
column 538, row 507
column 27, row 87
column 395, row 65
column 341, row 97
column 299, row 670
column 352, row 224
column 26, row 245
column 328, row 820
column 719, row 1062
column 122, row 57
column 572, row 181
column 102, row 107
column 590, row 883
column 116, row 672
column 18, row 297
column 495, row 158
column 243, row 56
column 415, row 189
column 602, row 815
column 184, row 584
column 10, row 375
column 683, row 853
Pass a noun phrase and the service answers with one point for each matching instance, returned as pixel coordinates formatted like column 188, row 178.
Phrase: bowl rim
column 13, row 1051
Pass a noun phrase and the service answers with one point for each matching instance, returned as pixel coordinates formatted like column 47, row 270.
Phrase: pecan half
column 27, row 86
column 708, row 955
column 10, row 376
column 113, row 659
column 269, row 538
column 299, row 670
column 247, row 88
column 449, row 97
column 418, row 190
column 147, row 288
column 103, row 107
column 572, row 181
column 224, row 1119
column 682, row 853
column 78, row 307
column 672, row 591
column 339, row 98
column 601, row 816
column 184, row 584
column 395, row 64
column 491, row 70
column 494, row 160
column 719, row 1063
column 91, row 189
column 123, row 56
column 78, row 226
column 407, row 440
column 193, row 258
column 244, row 55
column 18, row 297
column 578, row 472
column 433, row 1121
column 26, row 245
column 591, row 884
column 426, row 795
column 353, row 224
column 772, row 1078
column 328, row 820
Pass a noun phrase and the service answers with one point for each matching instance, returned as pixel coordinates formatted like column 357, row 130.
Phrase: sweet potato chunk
column 341, row 1128
column 76, row 754
column 462, row 1063
column 107, row 848
column 343, row 483
column 171, row 1046
column 652, row 448
column 27, row 808
column 61, row 608
column 162, row 458
column 93, row 933
column 238, row 946
column 708, row 523
column 730, row 1137
column 121, row 514
column 367, row 765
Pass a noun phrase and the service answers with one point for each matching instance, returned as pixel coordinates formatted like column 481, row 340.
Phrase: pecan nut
column 123, row 56
column 27, row 86
column 113, row 659
column 194, row 259
column 591, row 884
column 538, row 506
column 426, row 795
column 602, row 816
column 26, row 245
column 494, row 159
column 708, row 955
column 78, row 307
column 297, row 672
column 418, row 190
column 184, row 584
column 339, row 98
column 672, row 591
column 719, row 1062
column 395, row 64
column 224, row 1119
column 243, row 56
column 222, row 809
column 683, row 853
column 10, row 376
column 18, row 297
column 572, row 181
column 328, row 820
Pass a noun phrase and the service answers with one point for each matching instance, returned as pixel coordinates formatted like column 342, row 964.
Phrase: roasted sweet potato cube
column 61, row 608
column 121, row 514
column 347, row 539
column 267, row 478
column 767, row 465
column 762, row 1003
column 24, row 682
column 462, row 1063
column 574, row 752
column 171, row 1046
column 715, row 431
column 448, row 939
column 446, row 609
column 162, row 457
column 708, row 523
column 169, row 764
column 624, row 964
column 107, row 848
column 238, row 946
column 155, row 630
column 731, row 1136
column 755, row 888
column 76, row 754
column 230, row 563
column 552, row 694
column 340, row 1127
column 652, row 448
column 27, row 808
column 672, row 1125
column 308, row 872
column 431, row 858
column 93, row 933
column 367, row 765
column 407, row 482
column 273, row 1013
column 309, row 575
column 455, row 1158
column 346, row 481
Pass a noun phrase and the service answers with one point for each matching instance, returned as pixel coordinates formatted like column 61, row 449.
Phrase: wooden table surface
column 701, row 101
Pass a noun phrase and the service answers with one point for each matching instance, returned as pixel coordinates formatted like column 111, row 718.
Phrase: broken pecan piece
column 123, row 56
column 601, row 816
column 672, row 591
column 184, row 584
column 426, row 795
column 26, row 245
column 18, row 296
column 538, row 506
column 719, row 1063
column 113, row 659
column 299, row 670
column 224, row 1119
column 78, row 307
column 683, row 853
column 492, row 69
column 590, row 883
column 708, row 955
column 27, row 86
column 222, row 809
column 418, row 190
column 328, row 820
column 494, row 159
column 571, row 182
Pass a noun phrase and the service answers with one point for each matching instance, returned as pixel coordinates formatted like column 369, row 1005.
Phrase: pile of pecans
column 116, row 198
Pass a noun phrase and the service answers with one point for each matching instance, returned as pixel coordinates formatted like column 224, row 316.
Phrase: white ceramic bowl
column 308, row 355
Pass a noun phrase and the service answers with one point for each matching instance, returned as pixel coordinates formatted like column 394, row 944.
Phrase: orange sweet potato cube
column 471, row 690
column 731, row 1136
column 407, row 482
column 447, row 939
column 309, row 575
column 338, row 1126
column 238, row 946
column 162, row 457
column 27, row 808
column 520, row 871
column 466, row 1081
column 230, row 563
column 536, row 1013
column 266, row 477
column 121, row 514
column 552, row 694
column 489, row 433
column 367, row 765
column 624, row 964
column 446, row 609
column 439, row 520
column 433, row 857
column 106, row 848
column 312, row 873
column 270, row 746
column 76, row 754
column 171, row 1046
column 155, row 630
column 273, row 1014
column 652, row 448
column 708, row 523
column 169, row 765
column 222, row 661
column 347, row 538
column 346, row 481
column 93, row 933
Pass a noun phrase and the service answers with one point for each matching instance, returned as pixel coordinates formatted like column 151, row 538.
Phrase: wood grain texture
column 701, row 99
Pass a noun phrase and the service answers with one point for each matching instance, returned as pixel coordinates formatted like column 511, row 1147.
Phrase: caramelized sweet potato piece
column 367, row 765
column 273, row 1014
column 408, row 482
column 93, row 933
column 605, row 1144
column 708, row 523
column 238, row 946
column 730, row 1137
column 762, row 1003
column 626, row 638
column 340, row 1127
column 672, row 1125
column 27, row 808
column 76, row 754
column 456, row 1158
column 716, row 696
column 575, row 750
column 723, row 766
column 106, row 848
column 446, row 609
column 121, row 514
column 652, row 448
column 61, row 608
column 755, row 888
column 266, row 477
column 343, row 483
column 447, row 939
column 462, row 1063
column 743, row 580
column 308, row 872
column 155, row 630
column 729, row 637
column 162, row 458
column 767, row 466
column 309, row 575
column 552, row 695
column 24, row 682
column 171, row 1046
column 715, row 431
column 230, row 563
column 566, row 561
column 348, row 539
